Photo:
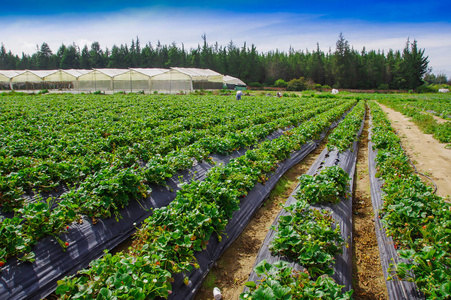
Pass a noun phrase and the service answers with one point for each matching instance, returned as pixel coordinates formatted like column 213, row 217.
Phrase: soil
column 439, row 120
column 368, row 278
column 428, row 155
column 232, row 270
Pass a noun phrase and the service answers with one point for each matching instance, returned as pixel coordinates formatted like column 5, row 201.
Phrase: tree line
column 345, row 67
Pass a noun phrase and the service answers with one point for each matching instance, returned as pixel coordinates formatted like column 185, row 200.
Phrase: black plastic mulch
column 396, row 289
column 341, row 212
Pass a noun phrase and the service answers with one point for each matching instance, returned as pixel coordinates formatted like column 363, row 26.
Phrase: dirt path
column 429, row 156
column 368, row 278
column 439, row 120
column 232, row 270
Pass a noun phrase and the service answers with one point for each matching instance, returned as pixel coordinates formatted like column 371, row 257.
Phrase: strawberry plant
column 346, row 132
column 328, row 186
column 416, row 218
column 95, row 150
column 279, row 281
column 173, row 233
column 308, row 237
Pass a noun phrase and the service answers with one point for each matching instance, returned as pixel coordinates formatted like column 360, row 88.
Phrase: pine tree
column 414, row 65
column 71, row 58
column 43, row 58
column 96, row 56
column 85, row 59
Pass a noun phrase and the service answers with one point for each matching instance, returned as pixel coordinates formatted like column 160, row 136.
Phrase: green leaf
column 106, row 293
column 263, row 294
column 61, row 289
column 446, row 289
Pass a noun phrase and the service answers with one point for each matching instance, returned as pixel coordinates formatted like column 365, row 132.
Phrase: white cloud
column 266, row 31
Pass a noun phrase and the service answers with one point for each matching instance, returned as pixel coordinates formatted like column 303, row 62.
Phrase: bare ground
column 232, row 270
column 439, row 120
column 429, row 156
column 368, row 278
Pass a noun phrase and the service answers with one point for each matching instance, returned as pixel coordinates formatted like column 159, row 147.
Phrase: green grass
column 282, row 185
column 209, row 281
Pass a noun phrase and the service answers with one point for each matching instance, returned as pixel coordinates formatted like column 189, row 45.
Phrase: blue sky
column 269, row 25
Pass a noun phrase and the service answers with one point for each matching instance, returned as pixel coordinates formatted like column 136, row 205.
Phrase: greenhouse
column 64, row 79
column 203, row 79
column 99, row 80
column 5, row 78
column 148, row 80
column 233, row 83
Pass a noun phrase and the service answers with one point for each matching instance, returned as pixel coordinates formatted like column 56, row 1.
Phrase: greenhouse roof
column 42, row 73
column 77, row 72
column 112, row 72
column 194, row 72
column 150, row 71
column 11, row 73
column 233, row 80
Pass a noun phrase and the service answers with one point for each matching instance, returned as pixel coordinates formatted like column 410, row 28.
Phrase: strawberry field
column 73, row 164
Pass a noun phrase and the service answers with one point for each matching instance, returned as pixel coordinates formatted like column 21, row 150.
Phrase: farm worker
column 238, row 95
column 279, row 95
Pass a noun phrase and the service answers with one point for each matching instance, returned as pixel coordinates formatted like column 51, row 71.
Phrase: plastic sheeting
column 341, row 212
column 249, row 206
column 36, row 280
column 396, row 289
column 87, row 241
column 236, row 225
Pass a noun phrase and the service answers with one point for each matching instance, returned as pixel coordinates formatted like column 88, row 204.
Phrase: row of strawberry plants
column 346, row 132
column 309, row 236
column 25, row 172
column 101, row 195
column 22, row 171
column 158, row 168
column 418, row 220
column 166, row 242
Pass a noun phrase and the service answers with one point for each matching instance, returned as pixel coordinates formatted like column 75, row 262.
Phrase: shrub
column 300, row 84
column 280, row 83
column 326, row 87
column 255, row 84
column 324, row 95
column 425, row 89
